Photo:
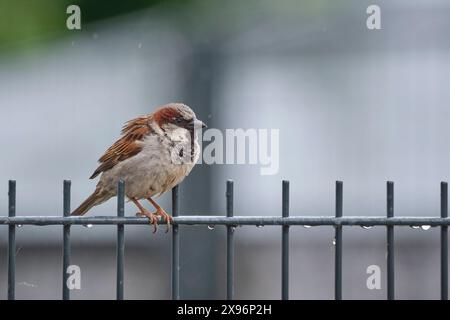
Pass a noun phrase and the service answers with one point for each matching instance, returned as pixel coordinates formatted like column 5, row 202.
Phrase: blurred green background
column 25, row 24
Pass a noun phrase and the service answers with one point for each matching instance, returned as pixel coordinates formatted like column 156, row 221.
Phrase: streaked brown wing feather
column 133, row 132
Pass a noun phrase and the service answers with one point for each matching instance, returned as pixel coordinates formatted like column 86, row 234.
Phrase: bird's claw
column 152, row 217
column 165, row 216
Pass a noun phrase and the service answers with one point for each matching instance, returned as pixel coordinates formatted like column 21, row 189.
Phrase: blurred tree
column 26, row 23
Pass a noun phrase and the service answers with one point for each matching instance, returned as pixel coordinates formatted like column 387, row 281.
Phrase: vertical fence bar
column 66, row 240
column 230, row 241
column 285, row 243
column 175, row 247
column 120, row 239
column 444, row 242
column 390, row 242
column 12, row 241
column 338, row 246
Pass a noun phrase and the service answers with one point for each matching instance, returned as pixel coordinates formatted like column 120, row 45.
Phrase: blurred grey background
column 358, row 105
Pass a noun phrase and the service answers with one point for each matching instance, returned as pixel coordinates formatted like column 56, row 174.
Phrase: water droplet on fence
column 211, row 227
column 334, row 241
column 367, row 227
column 19, row 226
column 306, row 226
column 425, row 227
column 259, row 226
column 415, row 227
column 88, row 226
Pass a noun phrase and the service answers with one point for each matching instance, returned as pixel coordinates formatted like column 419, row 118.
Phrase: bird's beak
column 196, row 124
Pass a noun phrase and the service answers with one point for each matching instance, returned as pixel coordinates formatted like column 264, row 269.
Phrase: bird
column 154, row 153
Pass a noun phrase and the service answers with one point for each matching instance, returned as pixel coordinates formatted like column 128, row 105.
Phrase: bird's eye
column 178, row 120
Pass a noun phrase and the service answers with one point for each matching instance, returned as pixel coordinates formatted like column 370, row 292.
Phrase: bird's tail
column 94, row 199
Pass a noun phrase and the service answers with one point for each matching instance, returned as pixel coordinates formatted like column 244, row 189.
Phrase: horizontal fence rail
column 230, row 221
column 233, row 221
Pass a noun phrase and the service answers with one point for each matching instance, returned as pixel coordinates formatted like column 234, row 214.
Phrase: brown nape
column 166, row 114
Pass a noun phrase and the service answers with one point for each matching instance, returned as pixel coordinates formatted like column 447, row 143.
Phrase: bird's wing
column 128, row 145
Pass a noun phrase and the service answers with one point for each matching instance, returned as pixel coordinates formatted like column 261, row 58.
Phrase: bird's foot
column 165, row 217
column 151, row 216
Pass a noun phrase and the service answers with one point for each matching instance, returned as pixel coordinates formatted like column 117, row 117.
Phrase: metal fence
column 338, row 221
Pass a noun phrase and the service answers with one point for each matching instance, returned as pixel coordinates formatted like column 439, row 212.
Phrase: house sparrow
column 155, row 153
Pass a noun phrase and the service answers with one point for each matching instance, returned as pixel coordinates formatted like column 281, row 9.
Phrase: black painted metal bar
column 390, row 243
column 285, row 243
column 12, row 241
column 230, row 241
column 175, row 247
column 235, row 220
column 66, row 240
column 231, row 221
column 444, row 242
column 338, row 244
column 120, row 239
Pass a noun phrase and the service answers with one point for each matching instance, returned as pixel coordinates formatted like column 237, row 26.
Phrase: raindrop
column 18, row 250
column 259, row 226
column 19, row 226
column 334, row 241
column 26, row 284
column 367, row 227
column 425, row 227
column 211, row 227
column 306, row 226
column 415, row 227
column 88, row 225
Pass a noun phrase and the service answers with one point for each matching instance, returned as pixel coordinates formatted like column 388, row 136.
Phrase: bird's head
column 175, row 116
